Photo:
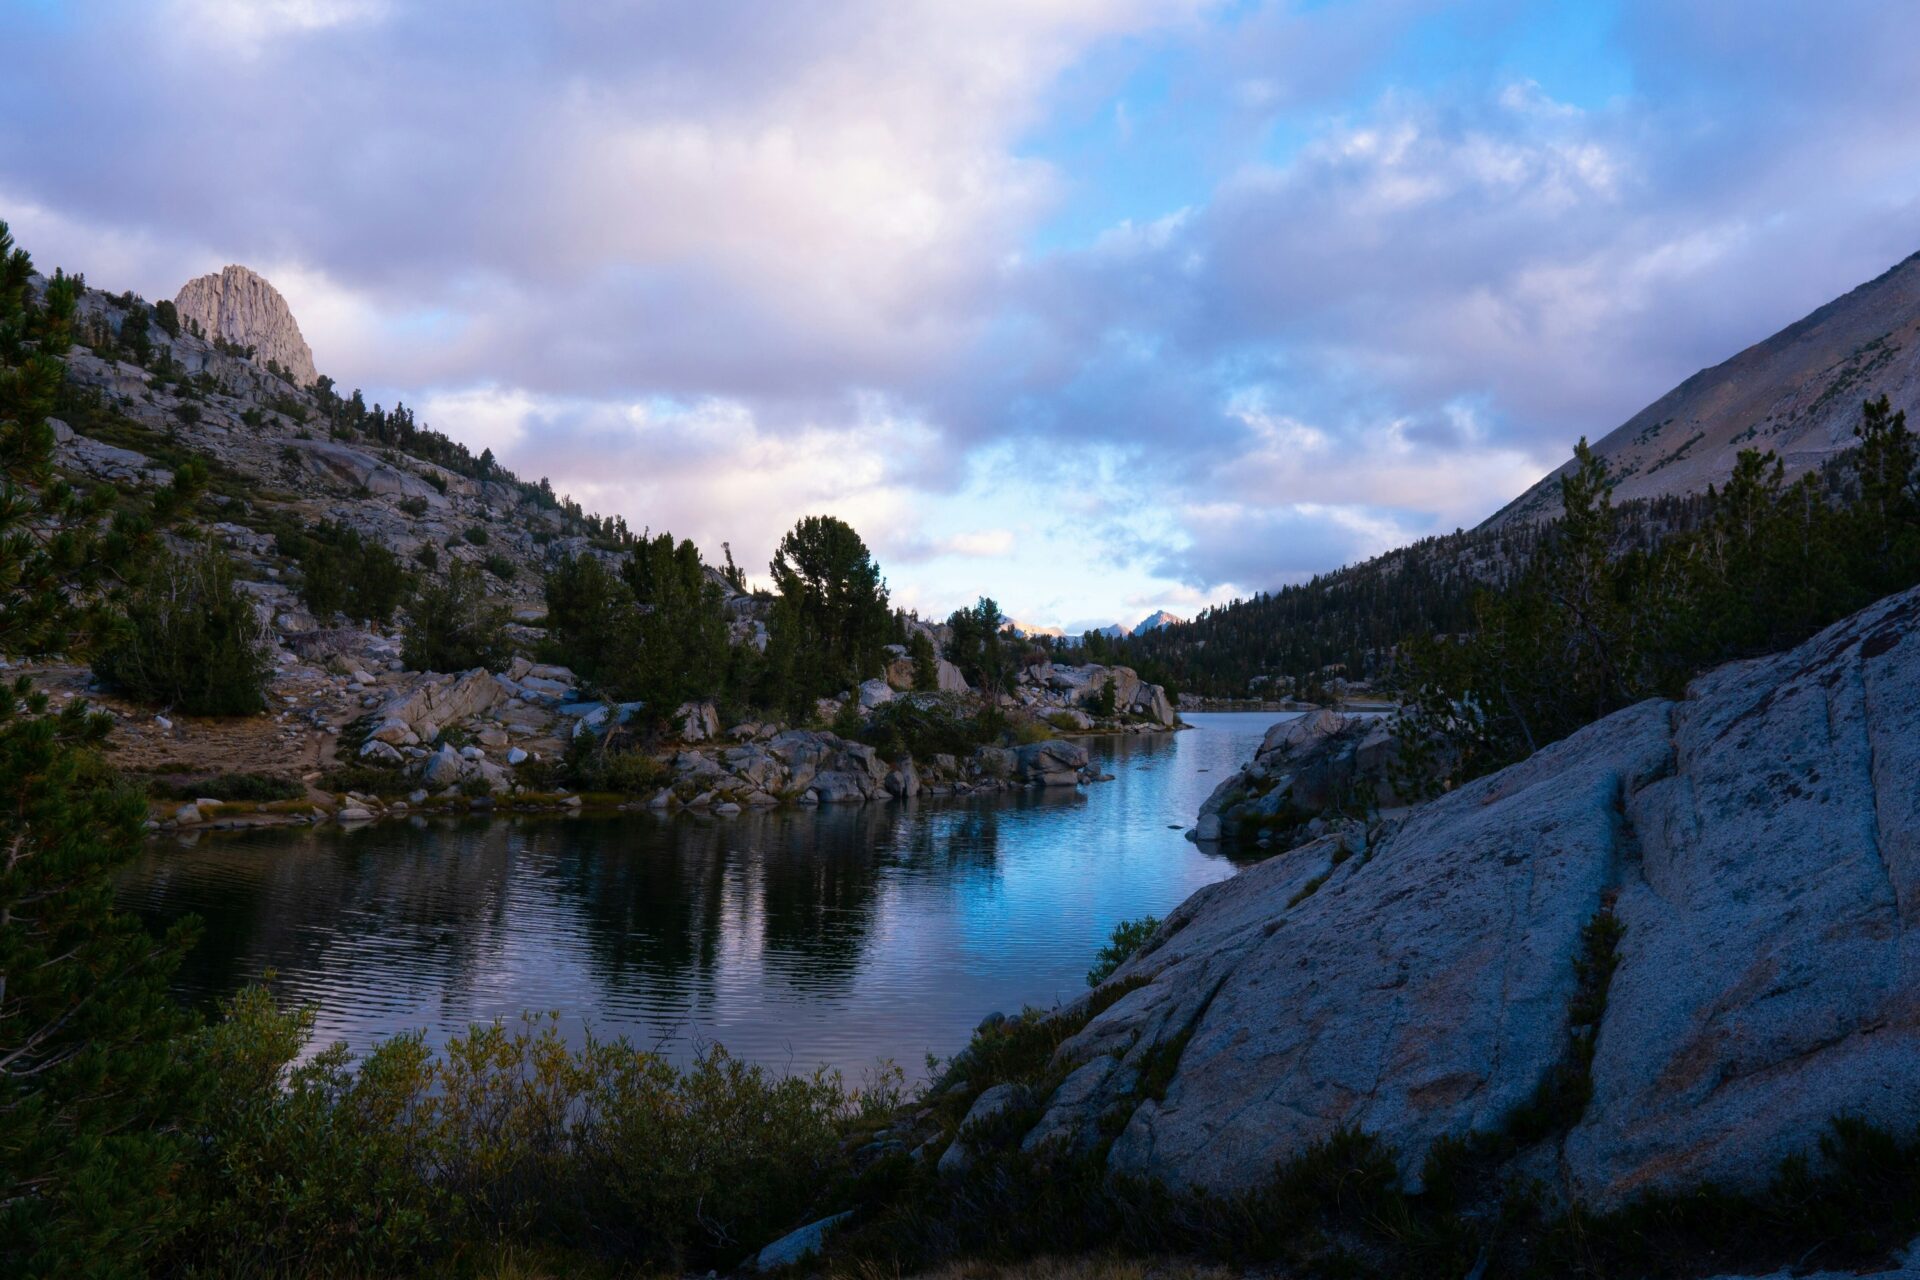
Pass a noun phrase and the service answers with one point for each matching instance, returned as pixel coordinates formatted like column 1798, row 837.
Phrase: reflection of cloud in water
column 840, row 935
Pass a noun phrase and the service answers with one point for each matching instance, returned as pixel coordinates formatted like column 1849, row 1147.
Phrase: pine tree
column 455, row 624
column 681, row 624
column 191, row 641
column 90, row 1089
column 926, row 664
column 830, row 618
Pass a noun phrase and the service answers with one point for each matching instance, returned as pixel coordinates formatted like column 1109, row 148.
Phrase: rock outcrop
column 1758, row 845
column 1048, row 685
column 239, row 306
column 1305, row 769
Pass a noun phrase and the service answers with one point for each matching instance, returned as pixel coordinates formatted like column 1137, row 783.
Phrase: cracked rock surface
column 1759, row 840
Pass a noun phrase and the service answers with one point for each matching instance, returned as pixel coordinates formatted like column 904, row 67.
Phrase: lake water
column 840, row 936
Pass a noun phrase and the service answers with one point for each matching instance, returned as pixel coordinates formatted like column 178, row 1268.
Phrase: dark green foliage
column 656, row 633
column 59, row 589
column 849, row 721
column 1103, row 701
column 90, row 1092
column 1590, row 627
column 88, row 1086
column 921, row 726
column 415, row 506
column 342, row 571
column 134, row 341
column 591, row 621
column 1127, row 937
column 368, row 779
column 476, row 535
column 830, row 617
column 979, row 648
column 1562, row 1097
column 736, row 576
column 167, row 317
column 255, row 787
column 614, row 763
column 1157, row 1071
column 191, row 641
column 1307, row 890
column 508, row 1134
column 500, row 566
column 455, row 624
column 926, row 665
column 1863, row 1200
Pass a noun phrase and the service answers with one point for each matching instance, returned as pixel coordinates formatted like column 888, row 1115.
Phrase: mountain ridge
column 1796, row 392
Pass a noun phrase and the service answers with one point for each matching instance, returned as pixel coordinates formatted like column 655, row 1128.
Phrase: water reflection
column 839, row 935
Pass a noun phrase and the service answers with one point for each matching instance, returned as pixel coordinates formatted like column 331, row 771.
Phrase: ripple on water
column 834, row 936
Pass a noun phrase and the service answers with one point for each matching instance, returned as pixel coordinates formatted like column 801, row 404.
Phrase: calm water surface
column 841, row 935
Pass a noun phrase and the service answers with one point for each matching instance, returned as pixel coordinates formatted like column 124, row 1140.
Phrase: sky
column 1095, row 306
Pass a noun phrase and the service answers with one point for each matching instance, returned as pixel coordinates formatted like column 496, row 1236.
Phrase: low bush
column 613, row 763
column 367, row 779
column 926, row 725
column 455, row 625
column 1127, row 937
column 190, row 641
column 1026, row 732
column 506, row 1134
column 260, row 788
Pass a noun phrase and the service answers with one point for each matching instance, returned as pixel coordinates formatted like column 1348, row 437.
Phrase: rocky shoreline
column 492, row 742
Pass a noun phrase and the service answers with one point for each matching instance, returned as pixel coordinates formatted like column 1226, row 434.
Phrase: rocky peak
column 238, row 304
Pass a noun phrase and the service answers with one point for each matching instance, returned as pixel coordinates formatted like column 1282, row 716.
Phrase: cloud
column 1093, row 305
column 982, row 543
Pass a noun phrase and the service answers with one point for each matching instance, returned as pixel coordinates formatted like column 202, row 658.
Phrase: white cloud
column 718, row 266
column 981, row 543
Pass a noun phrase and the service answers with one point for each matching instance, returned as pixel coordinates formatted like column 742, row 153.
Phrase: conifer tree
column 89, row 1086
column 830, row 618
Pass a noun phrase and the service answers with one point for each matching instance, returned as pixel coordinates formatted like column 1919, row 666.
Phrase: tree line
column 1597, row 621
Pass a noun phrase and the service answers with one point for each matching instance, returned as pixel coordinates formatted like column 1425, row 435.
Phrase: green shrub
column 926, row 663
column 500, row 566
column 612, row 763
column 260, row 788
column 368, row 779
column 455, row 624
column 1127, row 937
column 506, row 1134
column 926, row 725
column 849, row 721
column 191, row 641
column 167, row 316
column 1027, row 732
column 343, row 571
column 476, row 534
column 414, row 506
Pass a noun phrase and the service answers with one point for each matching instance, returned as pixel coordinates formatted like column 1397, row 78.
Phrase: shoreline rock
column 1757, row 845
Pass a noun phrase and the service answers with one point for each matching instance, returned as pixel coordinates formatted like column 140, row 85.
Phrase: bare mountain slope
column 1798, row 393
